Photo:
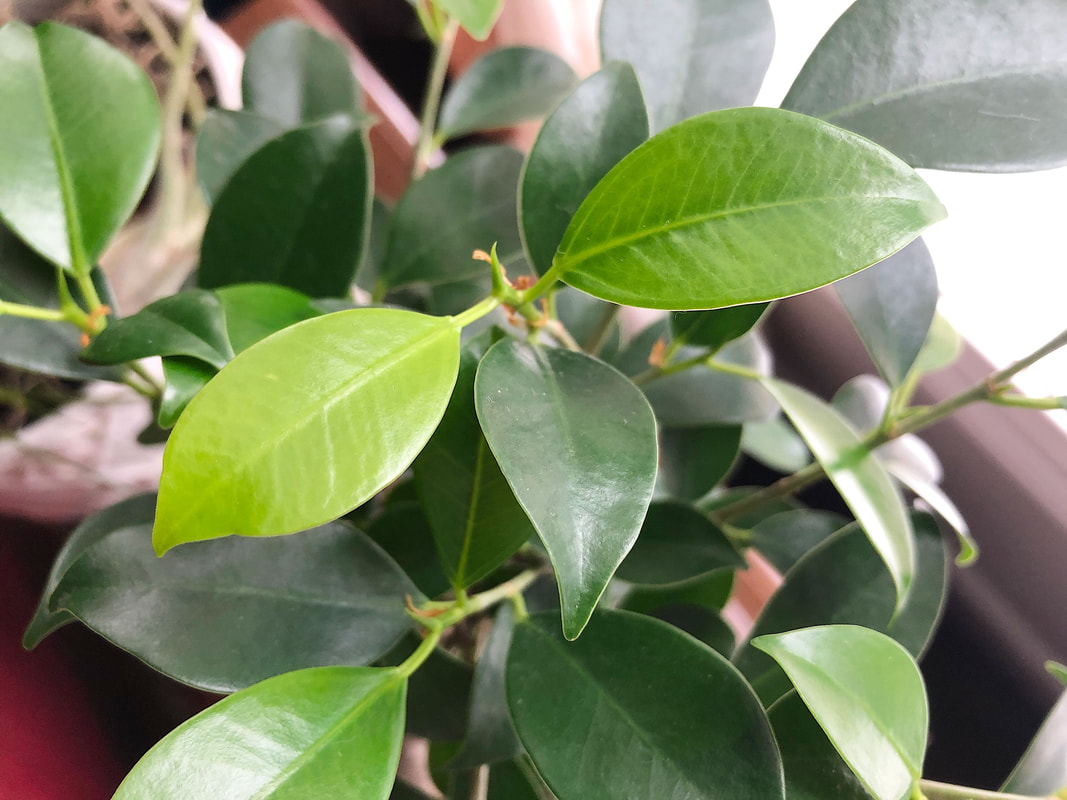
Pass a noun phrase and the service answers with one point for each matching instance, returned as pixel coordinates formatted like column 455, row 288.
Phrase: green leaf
column 467, row 203
column 749, row 519
column 1057, row 671
column 677, row 543
column 691, row 55
column 476, row 521
column 325, row 732
column 370, row 269
column 692, row 461
column 858, row 476
column 295, row 213
column 405, row 791
column 612, row 715
column 774, row 443
column 505, row 86
column 943, row 346
column 602, row 121
column 892, row 305
column 577, row 443
column 183, row 378
column 293, row 74
column 302, row 449
column 225, row 141
column 914, row 626
column 710, row 591
column 784, row 538
column 868, row 696
column 403, row 531
column 509, row 781
column 476, row 16
column 191, row 323
column 713, row 329
column 741, row 206
column 634, row 358
column 915, row 83
column 256, row 310
column 700, row 623
column 75, row 162
column 1043, row 768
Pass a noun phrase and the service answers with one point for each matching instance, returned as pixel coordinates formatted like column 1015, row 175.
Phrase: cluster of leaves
column 435, row 464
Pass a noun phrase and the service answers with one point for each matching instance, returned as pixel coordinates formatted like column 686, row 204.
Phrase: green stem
column 422, row 652
column 146, row 376
column 734, row 369
column 598, row 337
column 933, row 790
column 476, row 312
column 432, row 101
column 655, row 373
column 140, row 388
column 1019, row 401
column 544, row 283
column 31, row 312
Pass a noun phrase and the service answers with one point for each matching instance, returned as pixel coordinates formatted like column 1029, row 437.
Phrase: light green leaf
column 75, row 162
column 943, row 346
column 1043, row 768
column 281, row 439
column 329, row 731
column 613, row 716
column 256, row 310
column 691, row 55
column 1057, row 671
column 713, row 329
column 692, row 461
column 225, row 141
column 741, row 206
column 602, row 121
column 868, row 696
column 577, row 443
column 774, row 443
column 905, row 73
column 476, row 16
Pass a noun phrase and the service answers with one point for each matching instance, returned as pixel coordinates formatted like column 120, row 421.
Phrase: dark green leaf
column 677, row 543
column 774, row 443
column 602, row 121
column 612, row 715
column 369, row 271
column 905, row 73
column 503, row 87
column 326, row 732
column 302, row 450
column 915, row 624
column 700, row 623
column 476, row 521
column 749, row 519
column 293, row 74
column 438, row 693
column 225, row 141
column 1043, row 768
column 256, row 310
column 691, row 55
column 296, row 213
column 476, row 16
column 713, row 329
column 404, row 791
column 741, row 206
column 634, row 358
column 183, row 378
column 710, row 591
column 692, row 461
column 784, row 538
column 868, row 696
column 577, row 443
column 403, row 532
column 510, row 782
column 80, row 131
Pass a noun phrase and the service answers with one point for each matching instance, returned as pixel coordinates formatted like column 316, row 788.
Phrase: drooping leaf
column 892, row 305
column 577, row 443
column 280, row 440
column 741, row 206
column 293, row 74
column 714, row 329
column 225, row 141
column 438, row 693
column 692, row 461
column 784, row 538
column 467, row 203
column 612, row 715
column 329, row 731
column 74, row 161
column 602, row 121
column 404, row 533
column 774, row 443
column 296, row 213
column 256, row 310
column 915, row 84
column 858, row 476
column 868, row 696
column 692, row 56
column 183, row 378
column 503, row 87
column 677, row 543
column 476, row 16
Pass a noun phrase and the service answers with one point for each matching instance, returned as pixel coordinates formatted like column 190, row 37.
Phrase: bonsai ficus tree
column 460, row 501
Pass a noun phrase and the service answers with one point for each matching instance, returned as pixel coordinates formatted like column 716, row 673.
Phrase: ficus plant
column 462, row 501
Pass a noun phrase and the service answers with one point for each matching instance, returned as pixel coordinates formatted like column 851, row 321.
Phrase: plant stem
column 146, row 376
column 946, row 791
column 31, row 312
column 655, row 373
column 1020, row 401
column 422, row 652
column 476, row 312
column 598, row 337
column 544, row 283
column 432, row 101
column 157, row 29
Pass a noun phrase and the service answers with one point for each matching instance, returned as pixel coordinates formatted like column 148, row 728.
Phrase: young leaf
column 713, row 329
column 892, row 305
column 74, row 162
column 774, row 443
column 503, row 87
column 476, row 16
column 612, row 715
column 295, row 213
column 1043, row 768
column 692, row 461
column 325, row 732
column 784, row 538
column 915, row 84
column 858, row 476
column 403, row 532
column 577, row 443
column 183, row 378
column 476, row 521
column 301, row 448
column 741, row 206
column 868, row 696
column 691, row 55
column 602, row 121
column 256, row 310
column 293, row 74
column 225, row 141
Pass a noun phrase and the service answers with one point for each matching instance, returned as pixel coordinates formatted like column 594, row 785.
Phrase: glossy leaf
column 183, row 378
column 293, row 74
column 190, row 323
column 914, row 625
column 691, row 55
column 503, row 87
column 1043, row 768
column 677, row 543
column 467, row 203
column 741, row 206
column 774, row 443
column 700, row 623
column 601, row 122
column 692, row 461
column 300, row 449
column 404, row 533
column 905, row 74
column 784, row 538
column 325, row 732
column 74, row 162
column 256, row 310
column 225, row 141
column 295, row 213
column 612, row 715
column 476, row 16
column 858, row 476
column 713, row 329
column 577, row 443
column 892, row 305
column 868, row 696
